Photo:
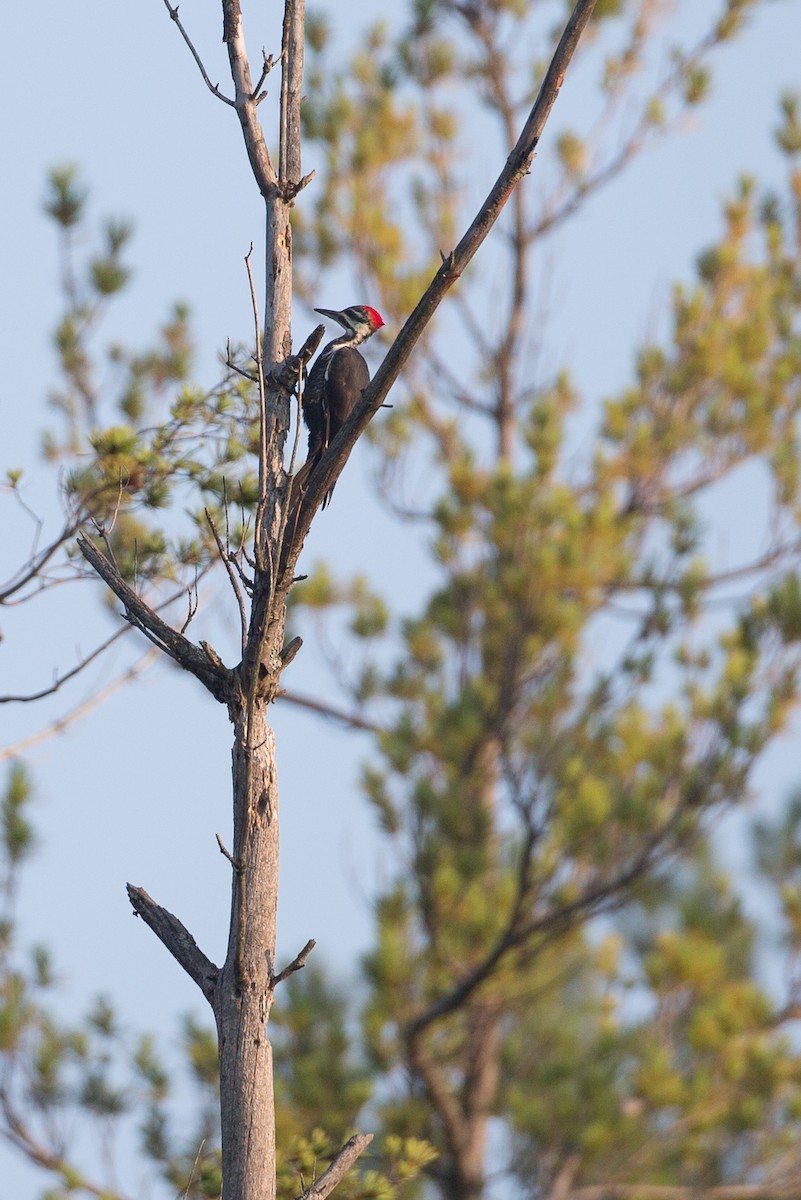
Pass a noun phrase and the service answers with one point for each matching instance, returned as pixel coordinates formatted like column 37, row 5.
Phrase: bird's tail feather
column 301, row 478
column 300, row 481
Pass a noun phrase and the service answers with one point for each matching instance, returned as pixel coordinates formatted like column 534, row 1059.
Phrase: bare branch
column 37, row 561
column 62, row 679
column 82, row 709
column 297, row 964
column 350, row 719
column 194, row 1168
column 177, row 939
column 341, row 1163
column 191, row 607
column 310, row 345
column 229, row 362
column 257, row 94
column 226, row 561
column 286, row 373
column 256, row 146
column 290, row 651
column 190, row 657
column 213, row 88
column 289, row 168
column 227, row 854
column 291, row 190
column 85, row 662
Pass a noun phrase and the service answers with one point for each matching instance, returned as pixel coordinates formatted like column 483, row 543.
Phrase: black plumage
column 335, row 384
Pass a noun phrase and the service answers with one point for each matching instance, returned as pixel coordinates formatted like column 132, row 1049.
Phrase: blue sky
column 138, row 790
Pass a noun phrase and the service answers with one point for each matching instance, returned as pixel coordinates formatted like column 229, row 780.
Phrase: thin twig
column 35, row 563
column 229, row 362
column 350, row 719
column 298, row 423
column 213, row 88
column 234, row 558
column 62, row 679
column 82, row 709
column 287, row 505
column 192, row 606
column 258, row 538
column 297, row 964
column 102, row 533
column 227, row 854
column 194, row 1168
column 269, row 62
column 226, row 561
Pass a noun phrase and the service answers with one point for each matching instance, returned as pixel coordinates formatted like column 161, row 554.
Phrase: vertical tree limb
column 289, row 165
column 245, row 105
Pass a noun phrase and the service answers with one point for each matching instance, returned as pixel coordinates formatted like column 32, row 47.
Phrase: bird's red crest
column 375, row 318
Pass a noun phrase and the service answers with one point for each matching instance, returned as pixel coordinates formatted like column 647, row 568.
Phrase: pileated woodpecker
column 335, row 383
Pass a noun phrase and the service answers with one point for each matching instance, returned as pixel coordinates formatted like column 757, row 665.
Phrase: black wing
column 335, row 384
column 348, row 376
column 315, row 412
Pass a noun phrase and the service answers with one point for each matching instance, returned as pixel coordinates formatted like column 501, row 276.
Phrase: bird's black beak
column 332, row 315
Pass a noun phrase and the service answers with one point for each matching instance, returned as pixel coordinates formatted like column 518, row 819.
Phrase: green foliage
column 15, row 828
column 319, row 1085
column 534, row 765
column 788, row 134
column 572, row 152
column 160, row 448
column 734, row 17
column 66, row 198
column 404, row 1159
column 696, row 85
column 607, row 8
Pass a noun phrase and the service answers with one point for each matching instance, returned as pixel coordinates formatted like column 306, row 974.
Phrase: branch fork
column 178, row 940
column 297, row 964
column 200, row 661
